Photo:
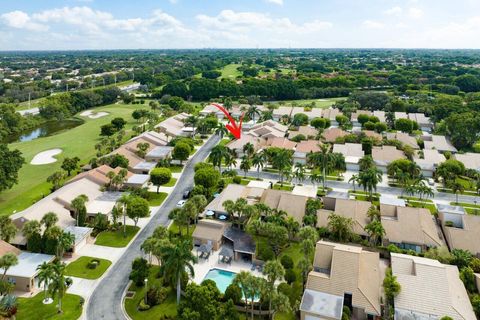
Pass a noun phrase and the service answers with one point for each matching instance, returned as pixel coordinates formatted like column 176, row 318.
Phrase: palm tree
column 217, row 155
column 221, row 130
column 32, row 229
column 180, row 217
column 299, row 172
column 193, row 121
column 426, row 191
column 456, row 188
column 245, row 165
column 242, row 279
column 124, row 201
column 341, row 228
column 273, row 271
column 230, row 160
column 49, row 220
column 353, row 179
column 369, row 179
column 366, row 162
column 252, row 112
column 45, row 275
column 78, row 204
column 282, row 160
column 65, row 242
column 248, row 149
column 178, row 259
column 58, row 284
column 7, row 261
column 322, row 159
column 258, row 161
column 375, row 231
column 315, row 177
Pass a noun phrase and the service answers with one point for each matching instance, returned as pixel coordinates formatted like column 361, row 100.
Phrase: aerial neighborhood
column 234, row 184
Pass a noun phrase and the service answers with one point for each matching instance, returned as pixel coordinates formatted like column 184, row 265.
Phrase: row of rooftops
column 429, row 289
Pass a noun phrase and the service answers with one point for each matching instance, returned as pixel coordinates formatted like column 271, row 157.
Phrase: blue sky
column 109, row 24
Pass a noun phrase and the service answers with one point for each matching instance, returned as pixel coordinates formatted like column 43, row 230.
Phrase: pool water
column 222, row 278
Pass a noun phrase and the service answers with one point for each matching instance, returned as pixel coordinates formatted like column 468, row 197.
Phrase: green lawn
column 319, row 103
column 77, row 142
column 33, row 308
column 156, row 199
column 230, row 71
column 429, row 206
column 224, row 141
column 415, row 199
column 171, row 183
column 176, row 168
column 79, row 268
column 294, row 250
column 175, row 229
column 167, row 308
column 285, row 187
column 115, row 238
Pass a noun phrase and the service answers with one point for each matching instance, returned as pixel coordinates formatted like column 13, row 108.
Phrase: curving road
column 106, row 300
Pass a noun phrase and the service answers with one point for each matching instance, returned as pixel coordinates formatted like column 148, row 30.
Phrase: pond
column 44, row 130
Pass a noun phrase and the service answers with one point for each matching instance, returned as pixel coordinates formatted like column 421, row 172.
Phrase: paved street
column 106, row 300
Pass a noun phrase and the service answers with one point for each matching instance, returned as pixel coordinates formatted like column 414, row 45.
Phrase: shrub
column 265, row 252
column 142, row 306
column 284, row 288
column 347, row 313
column 234, row 293
column 156, row 295
column 237, row 179
column 203, row 165
column 93, row 264
column 286, row 262
column 290, row 276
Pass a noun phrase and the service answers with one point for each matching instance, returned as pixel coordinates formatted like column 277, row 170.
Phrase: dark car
column 186, row 194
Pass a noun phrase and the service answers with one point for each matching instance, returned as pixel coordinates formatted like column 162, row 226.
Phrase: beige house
column 311, row 114
column 461, row 231
column 293, row 205
column 331, row 114
column 174, row 126
column 423, row 121
column 268, row 129
column 237, row 145
column 384, row 155
column 430, row 290
column 411, row 228
column 404, row 138
column 304, row 148
column 306, row 131
column 282, row 143
column 281, row 111
column 343, row 275
column 440, row 143
column 352, row 152
column 470, row 160
column 331, row 134
column 380, row 115
column 354, row 117
column 430, row 161
column 233, row 192
column 349, row 208
column 209, row 232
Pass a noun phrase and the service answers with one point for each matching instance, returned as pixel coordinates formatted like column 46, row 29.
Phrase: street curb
column 125, row 314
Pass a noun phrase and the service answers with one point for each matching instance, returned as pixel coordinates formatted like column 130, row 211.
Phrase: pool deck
column 203, row 266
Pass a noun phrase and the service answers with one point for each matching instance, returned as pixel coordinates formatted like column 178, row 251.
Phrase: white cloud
column 279, row 2
column 370, row 24
column 21, row 20
column 415, row 13
column 395, row 11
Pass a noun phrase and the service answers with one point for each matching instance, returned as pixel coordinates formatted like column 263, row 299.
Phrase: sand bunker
column 93, row 115
column 45, row 157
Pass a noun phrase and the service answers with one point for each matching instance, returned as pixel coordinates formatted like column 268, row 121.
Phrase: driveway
column 106, row 300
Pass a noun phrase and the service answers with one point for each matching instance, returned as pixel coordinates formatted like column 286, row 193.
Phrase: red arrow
column 232, row 126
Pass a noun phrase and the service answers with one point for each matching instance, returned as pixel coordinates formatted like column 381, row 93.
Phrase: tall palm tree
column 258, row 161
column 248, row 149
column 193, row 121
column 315, row 177
column 245, row 165
column 353, row 179
column 49, row 220
column 242, row 279
column 65, row 242
column 7, row 261
column 58, row 284
column 221, row 130
column 78, row 204
column 178, row 259
column 273, row 271
column 282, row 161
column 252, row 112
column 369, row 179
column 124, row 201
column 230, row 160
column 217, row 155
column 456, row 188
column 299, row 172
column 45, row 275
column 375, row 231
column 322, row 159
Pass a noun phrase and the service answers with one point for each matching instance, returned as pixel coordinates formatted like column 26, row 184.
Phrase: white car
column 181, row 203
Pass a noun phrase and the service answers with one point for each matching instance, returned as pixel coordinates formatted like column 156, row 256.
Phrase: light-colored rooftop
column 28, row 263
column 307, row 146
column 470, row 160
column 349, row 149
column 322, row 304
column 331, row 134
column 385, row 154
column 306, row 191
column 440, row 143
column 404, row 138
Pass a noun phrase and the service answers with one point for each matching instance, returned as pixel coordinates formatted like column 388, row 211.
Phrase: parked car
column 431, row 182
column 186, row 194
column 181, row 203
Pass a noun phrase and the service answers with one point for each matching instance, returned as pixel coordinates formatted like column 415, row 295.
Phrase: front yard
column 115, row 238
column 33, row 308
column 88, row 267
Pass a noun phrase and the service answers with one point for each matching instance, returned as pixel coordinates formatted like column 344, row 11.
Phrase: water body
column 46, row 129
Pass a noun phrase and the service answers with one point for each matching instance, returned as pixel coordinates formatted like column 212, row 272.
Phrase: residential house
column 377, row 137
column 348, row 208
column 440, row 143
column 233, row 192
column 384, row 155
column 282, row 143
column 311, row 114
column 303, row 149
column 268, row 129
column 380, row 115
column 460, row 229
column 412, row 229
column 81, row 234
column 354, row 117
column 389, row 204
column 352, row 152
column 430, row 161
column 430, row 289
column 404, row 138
column 470, row 160
column 306, row 131
column 293, row 205
column 174, row 126
column 209, row 232
column 237, row 145
column 281, row 112
column 343, row 275
column 331, row 114
column 400, row 115
column 332, row 134
column 423, row 121
column 159, row 153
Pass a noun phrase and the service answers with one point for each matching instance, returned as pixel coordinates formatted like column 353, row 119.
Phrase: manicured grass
column 319, row 103
column 167, row 308
column 175, row 229
column 224, row 141
column 171, row 183
column 115, row 238
column 156, row 199
column 176, row 168
column 76, row 142
column 79, row 268
column 285, row 187
column 230, row 71
column 429, row 206
column 33, row 308
column 415, row 199
column 465, row 204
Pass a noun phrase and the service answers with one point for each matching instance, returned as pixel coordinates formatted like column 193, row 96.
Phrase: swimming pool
column 222, row 278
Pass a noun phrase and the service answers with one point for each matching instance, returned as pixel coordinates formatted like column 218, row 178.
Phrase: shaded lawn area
column 175, row 229
column 167, row 308
column 115, row 238
column 76, row 142
column 429, row 206
column 33, row 308
column 176, row 168
column 171, row 183
column 79, row 268
column 156, row 199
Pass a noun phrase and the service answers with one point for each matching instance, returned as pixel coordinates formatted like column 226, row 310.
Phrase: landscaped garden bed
column 88, row 267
